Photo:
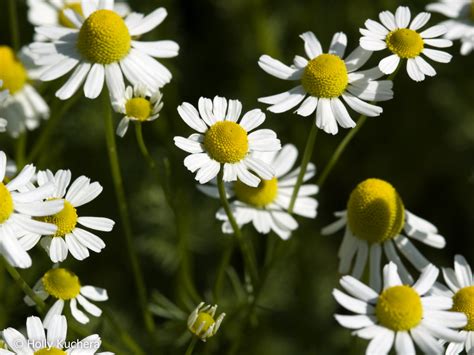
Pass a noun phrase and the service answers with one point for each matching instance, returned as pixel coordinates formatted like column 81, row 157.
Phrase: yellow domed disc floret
column 138, row 108
column 325, row 76
column 260, row 196
column 12, row 71
column 226, row 142
column 375, row 211
column 65, row 220
column 63, row 20
column 61, row 283
column 6, row 203
column 203, row 322
column 463, row 301
column 104, row 38
column 405, row 43
column 399, row 308
column 50, row 351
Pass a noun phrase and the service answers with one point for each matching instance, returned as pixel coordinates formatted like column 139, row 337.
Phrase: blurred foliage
column 423, row 144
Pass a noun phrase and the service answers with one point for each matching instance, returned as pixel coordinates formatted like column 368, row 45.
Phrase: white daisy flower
column 224, row 142
column 136, row 105
column 51, row 12
column 3, row 97
column 43, row 340
column 401, row 38
column 64, row 286
column 20, row 206
column 460, row 281
column 401, row 315
column 103, row 47
column 69, row 237
column 325, row 78
column 24, row 107
column 461, row 25
column 266, row 205
column 201, row 321
column 376, row 221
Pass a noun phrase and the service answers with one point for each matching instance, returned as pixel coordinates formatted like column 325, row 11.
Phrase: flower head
column 401, row 314
column 376, row 220
column 102, row 46
column 201, row 321
column 400, row 35
column 224, row 141
column 325, row 79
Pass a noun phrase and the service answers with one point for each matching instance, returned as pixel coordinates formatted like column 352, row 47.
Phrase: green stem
column 126, row 338
column 20, row 151
column 249, row 256
column 14, row 28
column 124, row 215
column 224, row 263
column 191, row 346
column 40, row 305
column 308, row 151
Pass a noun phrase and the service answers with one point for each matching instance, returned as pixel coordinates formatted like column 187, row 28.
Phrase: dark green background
column 423, row 144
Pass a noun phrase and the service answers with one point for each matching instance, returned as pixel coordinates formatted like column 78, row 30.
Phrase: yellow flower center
column 399, row 308
column 325, row 76
column 226, row 142
column 50, row 351
column 138, row 108
column 65, row 219
column 405, row 43
column 61, row 283
column 12, row 71
column 375, row 211
column 259, row 196
column 463, row 301
column 203, row 322
column 6, row 203
column 63, row 20
column 104, row 38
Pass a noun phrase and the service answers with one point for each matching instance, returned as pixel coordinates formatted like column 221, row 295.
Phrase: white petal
column 338, row 44
column 374, row 265
column 89, row 240
column 291, row 99
column 158, row 49
column 57, row 330
column 341, row 114
column 78, row 251
column 389, row 64
column 463, row 271
column 278, row 69
column 308, row 106
column 372, row 44
column 149, row 22
column 58, row 250
column 403, row 344
column 311, row 45
column 358, row 289
column 352, row 304
column 252, row 119
column 427, row 279
column 361, row 106
column 402, row 16
column 77, row 314
column 55, row 310
column 114, row 80
column 325, row 117
column 411, row 252
column 74, row 82
column 357, row 59
column 381, row 343
column 361, row 260
column 355, row 322
column 434, row 31
column 388, row 20
column 413, row 71
column 425, row 341
column 94, row 293
column 390, row 276
column 420, row 20
column 95, row 81
column 190, row 116
column 88, row 306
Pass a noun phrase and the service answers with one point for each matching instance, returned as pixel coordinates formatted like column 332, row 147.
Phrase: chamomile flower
column 64, row 286
column 3, row 96
column 461, row 23
column 224, row 141
column 136, row 105
column 42, row 340
column 266, row 205
column 101, row 46
column 202, row 322
column 377, row 222
column 460, row 281
column 325, row 79
column 24, row 107
column 401, row 37
column 19, row 208
column 401, row 315
column 69, row 236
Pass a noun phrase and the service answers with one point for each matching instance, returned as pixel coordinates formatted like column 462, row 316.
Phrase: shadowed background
column 423, row 144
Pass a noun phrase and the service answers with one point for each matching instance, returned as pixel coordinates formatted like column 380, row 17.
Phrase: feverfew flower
column 201, row 321
column 24, row 108
column 20, row 206
column 42, row 340
column 224, row 141
column 402, row 38
column 137, row 106
column 266, row 206
column 377, row 220
column 461, row 23
column 64, row 286
column 401, row 315
column 101, row 46
column 325, row 79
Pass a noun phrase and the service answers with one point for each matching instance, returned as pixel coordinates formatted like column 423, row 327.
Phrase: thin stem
column 143, row 148
column 20, row 151
column 308, row 151
column 224, row 263
column 249, row 256
column 40, row 305
column 14, row 28
column 191, row 346
column 124, row 215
